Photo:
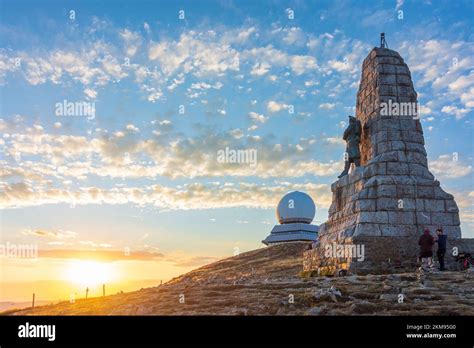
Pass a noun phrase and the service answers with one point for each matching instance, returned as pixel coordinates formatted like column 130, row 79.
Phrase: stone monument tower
column 385, row 203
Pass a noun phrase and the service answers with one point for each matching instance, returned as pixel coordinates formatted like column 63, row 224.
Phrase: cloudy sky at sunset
column 169, row 93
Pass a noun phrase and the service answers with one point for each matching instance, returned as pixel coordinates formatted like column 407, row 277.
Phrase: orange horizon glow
column 91, row 273
column 55, row 279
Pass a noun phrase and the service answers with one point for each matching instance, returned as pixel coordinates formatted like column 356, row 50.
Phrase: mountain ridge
column 269, row 281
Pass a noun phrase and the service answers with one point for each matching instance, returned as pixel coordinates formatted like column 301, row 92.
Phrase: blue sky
column 143, row 175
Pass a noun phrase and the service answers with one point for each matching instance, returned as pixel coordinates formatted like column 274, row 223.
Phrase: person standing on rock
column 441, row 240
column 426, row 243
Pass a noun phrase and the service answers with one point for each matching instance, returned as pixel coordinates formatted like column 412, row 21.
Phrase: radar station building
column 295, row 212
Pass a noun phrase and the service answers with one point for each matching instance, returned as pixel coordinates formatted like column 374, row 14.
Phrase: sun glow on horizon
column 91, row 273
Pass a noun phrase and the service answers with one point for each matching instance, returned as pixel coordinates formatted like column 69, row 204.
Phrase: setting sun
column 90, row 273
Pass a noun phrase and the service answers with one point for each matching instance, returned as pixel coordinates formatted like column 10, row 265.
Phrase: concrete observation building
column 295, row 212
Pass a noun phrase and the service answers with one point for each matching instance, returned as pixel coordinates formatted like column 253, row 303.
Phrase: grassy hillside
column 266, row 282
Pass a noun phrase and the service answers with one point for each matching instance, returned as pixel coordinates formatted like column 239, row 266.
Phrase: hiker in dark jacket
column 426, row 243
column 441, row 240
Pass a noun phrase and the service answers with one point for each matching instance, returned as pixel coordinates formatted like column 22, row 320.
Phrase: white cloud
column 198, row 89
column 243, row 35
column 302, row 64
column 454, row 110
column 177, row 81
column 260, row 69
column 90, row 64
column 445, row 167
column 7, row 65
column 468, row 98
column 132, row 128
column 327, row 106
column 165, row 123
column 462, row 82
column 188, row 196
column 273, row 106
column 339, row 65
column 154, row 94
column 271, row 56
column 146, row 26
column 311, row 83
column 132, row 41
column 161, row 66
column 294, row 36
column 49, row 234
column 193, row 53
column 237, row 133
column 90, row 93
column 442, row 64
column 335, row 140
column 123, row 155
column 425, row 110
column 256, row 117
column 113, row 67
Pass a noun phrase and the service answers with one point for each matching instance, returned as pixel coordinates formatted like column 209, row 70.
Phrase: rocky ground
column 267, row 282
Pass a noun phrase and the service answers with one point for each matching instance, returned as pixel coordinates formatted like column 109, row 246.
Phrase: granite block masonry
column 389, row 200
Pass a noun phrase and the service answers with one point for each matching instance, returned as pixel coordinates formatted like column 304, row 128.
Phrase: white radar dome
column 296, row 207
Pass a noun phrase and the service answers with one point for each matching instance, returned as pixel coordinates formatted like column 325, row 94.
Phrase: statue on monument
column 352, row 138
